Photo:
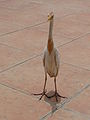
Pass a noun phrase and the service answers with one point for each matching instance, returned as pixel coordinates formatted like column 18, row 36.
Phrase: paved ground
column 23, row 36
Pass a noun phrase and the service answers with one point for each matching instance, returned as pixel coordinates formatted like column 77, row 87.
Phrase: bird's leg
column 55, row 88
column 44, row 92
column 56, row 94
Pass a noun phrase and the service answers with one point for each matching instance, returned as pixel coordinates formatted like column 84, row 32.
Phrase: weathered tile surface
column 23, row 36
column 15, row 105
column 69, row 115
column 81, row 103
column 30, row 77
column 77, row 52
column 10, row 56
column 27, row 41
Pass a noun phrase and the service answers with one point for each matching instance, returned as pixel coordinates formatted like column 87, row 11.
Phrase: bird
column 51, row 60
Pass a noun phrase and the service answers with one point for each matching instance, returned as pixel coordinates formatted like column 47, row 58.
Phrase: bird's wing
column 57, row 58
column 44, row 59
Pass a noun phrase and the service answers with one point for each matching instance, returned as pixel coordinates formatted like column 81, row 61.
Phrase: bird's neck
column 50, row 44
column 50, row 29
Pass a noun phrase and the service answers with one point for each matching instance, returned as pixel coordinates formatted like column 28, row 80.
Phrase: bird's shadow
column 52, row 101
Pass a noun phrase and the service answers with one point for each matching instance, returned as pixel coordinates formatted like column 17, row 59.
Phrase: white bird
column 51, row 60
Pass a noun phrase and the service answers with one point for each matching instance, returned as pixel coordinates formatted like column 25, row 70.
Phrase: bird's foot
column 56, row 96
column 42, row 94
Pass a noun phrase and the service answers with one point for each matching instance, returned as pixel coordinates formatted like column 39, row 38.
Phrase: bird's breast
column 50, row 65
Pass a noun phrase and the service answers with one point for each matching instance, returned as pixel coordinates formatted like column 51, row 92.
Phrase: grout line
column 28, row 27
column 77, row 113
column 8, row 8
column 15, row 48
column 66, row 101
column 20, row 63
column 75, row 66
column 16, row 89
column 75, row 39
column 37, row 2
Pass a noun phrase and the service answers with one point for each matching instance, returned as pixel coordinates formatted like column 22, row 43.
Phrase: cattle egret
column 51, row 60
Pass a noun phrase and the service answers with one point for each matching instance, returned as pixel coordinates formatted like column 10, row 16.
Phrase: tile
column 81, row 103
column 10, row 56
column 7, row 27
column 16, row 4
column 31, row 41
column 69, row 115
column 31, row 79
column 23, row 16
column 77, row 52
column 71, row 79
column 15, row 105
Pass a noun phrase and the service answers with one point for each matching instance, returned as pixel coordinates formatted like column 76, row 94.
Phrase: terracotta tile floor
column 23, row 36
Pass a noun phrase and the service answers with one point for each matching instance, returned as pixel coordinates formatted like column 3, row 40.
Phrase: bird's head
column 50, row 16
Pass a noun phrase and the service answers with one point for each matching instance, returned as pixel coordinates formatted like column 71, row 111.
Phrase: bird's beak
column 49, row 17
